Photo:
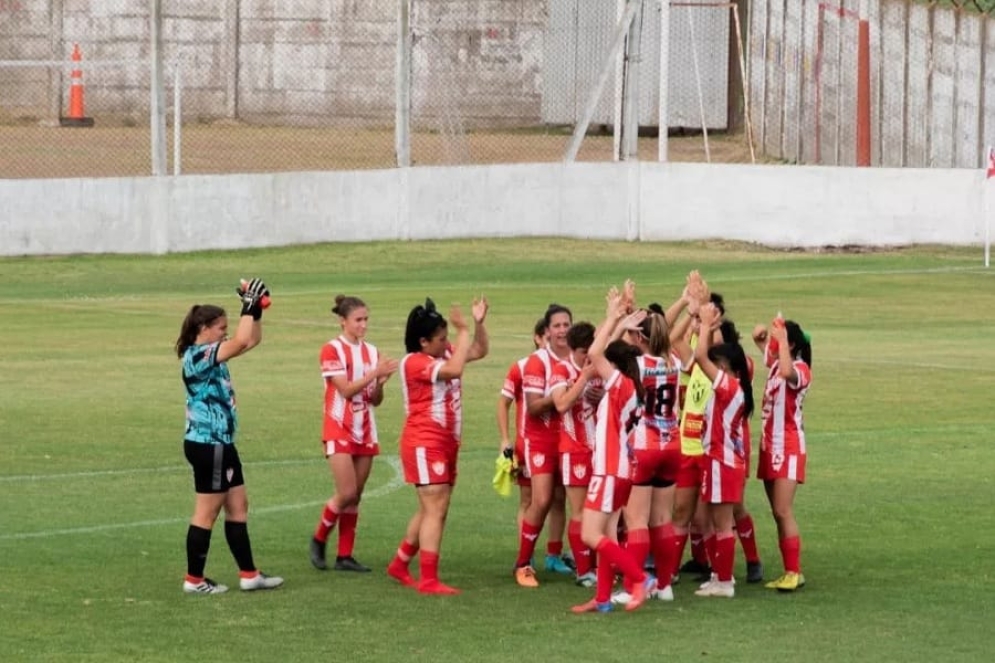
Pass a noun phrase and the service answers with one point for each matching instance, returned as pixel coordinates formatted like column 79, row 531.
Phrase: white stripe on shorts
column 793, row 467
column 715, row 474
column 608, row 495
column 422, row 464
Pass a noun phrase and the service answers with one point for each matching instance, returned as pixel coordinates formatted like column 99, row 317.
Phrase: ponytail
column 801, row 342
column 423, row 322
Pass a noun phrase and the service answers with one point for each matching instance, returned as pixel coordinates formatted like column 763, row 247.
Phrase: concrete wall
column 773, row 205
column 932, row 82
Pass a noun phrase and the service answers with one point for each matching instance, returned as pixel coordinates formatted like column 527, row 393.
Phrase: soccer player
column 209, row 440
column 657, row 453
column 542, row 440
column 354, row 374
column 431, row 382
column 568, row 386
column 787, row 353
column 619, row 413
column 724, row 475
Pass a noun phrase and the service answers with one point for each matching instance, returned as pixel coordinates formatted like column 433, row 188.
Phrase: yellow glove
column 502, row 475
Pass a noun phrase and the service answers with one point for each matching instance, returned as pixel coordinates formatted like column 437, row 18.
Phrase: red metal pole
column 863, row 88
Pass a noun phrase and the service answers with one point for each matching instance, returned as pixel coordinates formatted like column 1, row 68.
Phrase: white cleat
column 663, row 593
column 205, row 586
column 260, row 581
column 718, row 589
column 621, row 597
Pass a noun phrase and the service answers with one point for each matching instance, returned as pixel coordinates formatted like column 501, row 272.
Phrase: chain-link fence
column 931, row 92
column 271, row 85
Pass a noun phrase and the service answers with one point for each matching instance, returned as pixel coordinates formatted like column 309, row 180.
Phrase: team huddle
column 638, row 427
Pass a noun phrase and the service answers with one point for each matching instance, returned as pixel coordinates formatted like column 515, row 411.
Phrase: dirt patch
column 34, row 151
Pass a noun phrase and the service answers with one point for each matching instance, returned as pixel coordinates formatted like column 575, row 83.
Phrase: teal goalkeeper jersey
column 211, row 415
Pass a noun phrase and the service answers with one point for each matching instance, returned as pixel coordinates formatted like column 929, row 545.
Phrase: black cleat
column 754, row 571
column 318, row 555
column 694, row 566
column 350, row 564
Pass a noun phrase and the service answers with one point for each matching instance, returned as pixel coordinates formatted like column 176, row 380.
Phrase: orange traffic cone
column 76, row 116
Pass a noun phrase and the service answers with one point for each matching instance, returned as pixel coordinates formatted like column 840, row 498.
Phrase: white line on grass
column 396, row 481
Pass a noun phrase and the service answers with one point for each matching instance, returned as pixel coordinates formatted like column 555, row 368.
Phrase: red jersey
column 432, row 406
column 348, row 418
column 784, row 432
column 619, row 413
column 577, row 427
column 542, row 432
column 660, row 417
column 723, row 434
column 512, row 390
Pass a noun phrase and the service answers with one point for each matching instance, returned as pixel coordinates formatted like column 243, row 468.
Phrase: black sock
column 198, row 543
column 237, row 535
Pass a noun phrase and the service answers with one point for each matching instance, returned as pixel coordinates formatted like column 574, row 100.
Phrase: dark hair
column 199, row 316
column 654, row 329
column 540, row 327
column 623, row 355
column 718, row 301
column 344, row 305
column 580, row 335
column 552, row 310
column 729, row 332
column 656, row 308
column 733, row 354
column 423, row 322
column 798, row 338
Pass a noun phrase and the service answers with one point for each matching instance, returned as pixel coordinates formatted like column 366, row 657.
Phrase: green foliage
column 896, row 516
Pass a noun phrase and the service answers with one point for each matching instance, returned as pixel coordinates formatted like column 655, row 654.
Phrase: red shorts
column 350, row 448
column 575, row 468
column 721, row 484
column 777, row 466
column 541, row 458
column 690, row 471
column 429, row 465
column 607, row 494
column 656, row 467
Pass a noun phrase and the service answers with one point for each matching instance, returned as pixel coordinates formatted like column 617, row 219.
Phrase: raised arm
column 614, row 312
column 453, row 368
column 249, row 332
column 481, row 342
column 710, row 321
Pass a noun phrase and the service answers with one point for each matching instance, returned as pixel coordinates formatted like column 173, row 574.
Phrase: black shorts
column 216, row 467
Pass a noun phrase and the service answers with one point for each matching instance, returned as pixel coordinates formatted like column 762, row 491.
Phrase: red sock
column 680, row 541
column 554, row 548
column 612, row 554
column 527, row 537
column 662, row 545
column 347, row 532
column 709, row 545
column 398, row 567
column 637, row 545
column 606, row 580
column 791, row 552
column 582, row 554
column 724, row 555
column 325, row 525
column 429, row 566
column 698, row 552
column 747, row 538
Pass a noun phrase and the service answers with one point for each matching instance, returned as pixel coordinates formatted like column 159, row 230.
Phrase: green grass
column 94, row 493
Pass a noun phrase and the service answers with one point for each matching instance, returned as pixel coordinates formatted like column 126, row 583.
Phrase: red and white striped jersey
column 661, row 414
column 577, row 426
column 512, row 390
column 348, row 419
column 784, row 431
column 432, row 407
column 619, row 413
column 723, row 434
column 543, row 430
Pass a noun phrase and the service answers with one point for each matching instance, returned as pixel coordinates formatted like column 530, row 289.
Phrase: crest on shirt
column 539, row 460
column 580, row 471
column 438, row 467
column 776, row 461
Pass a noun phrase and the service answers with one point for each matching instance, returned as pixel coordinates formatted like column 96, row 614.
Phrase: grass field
column 896, row 517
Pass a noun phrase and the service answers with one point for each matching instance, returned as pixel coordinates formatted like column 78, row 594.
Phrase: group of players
column 671, row 455
column 638, row 424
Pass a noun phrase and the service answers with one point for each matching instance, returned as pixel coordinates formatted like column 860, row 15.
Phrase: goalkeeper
column 209, row 442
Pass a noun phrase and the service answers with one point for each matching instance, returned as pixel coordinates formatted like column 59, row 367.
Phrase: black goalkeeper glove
column 251, row 294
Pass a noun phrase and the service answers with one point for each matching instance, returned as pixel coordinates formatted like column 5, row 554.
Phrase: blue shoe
column 555, row 564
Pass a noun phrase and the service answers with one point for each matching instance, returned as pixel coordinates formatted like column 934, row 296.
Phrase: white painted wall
column 797, row 206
